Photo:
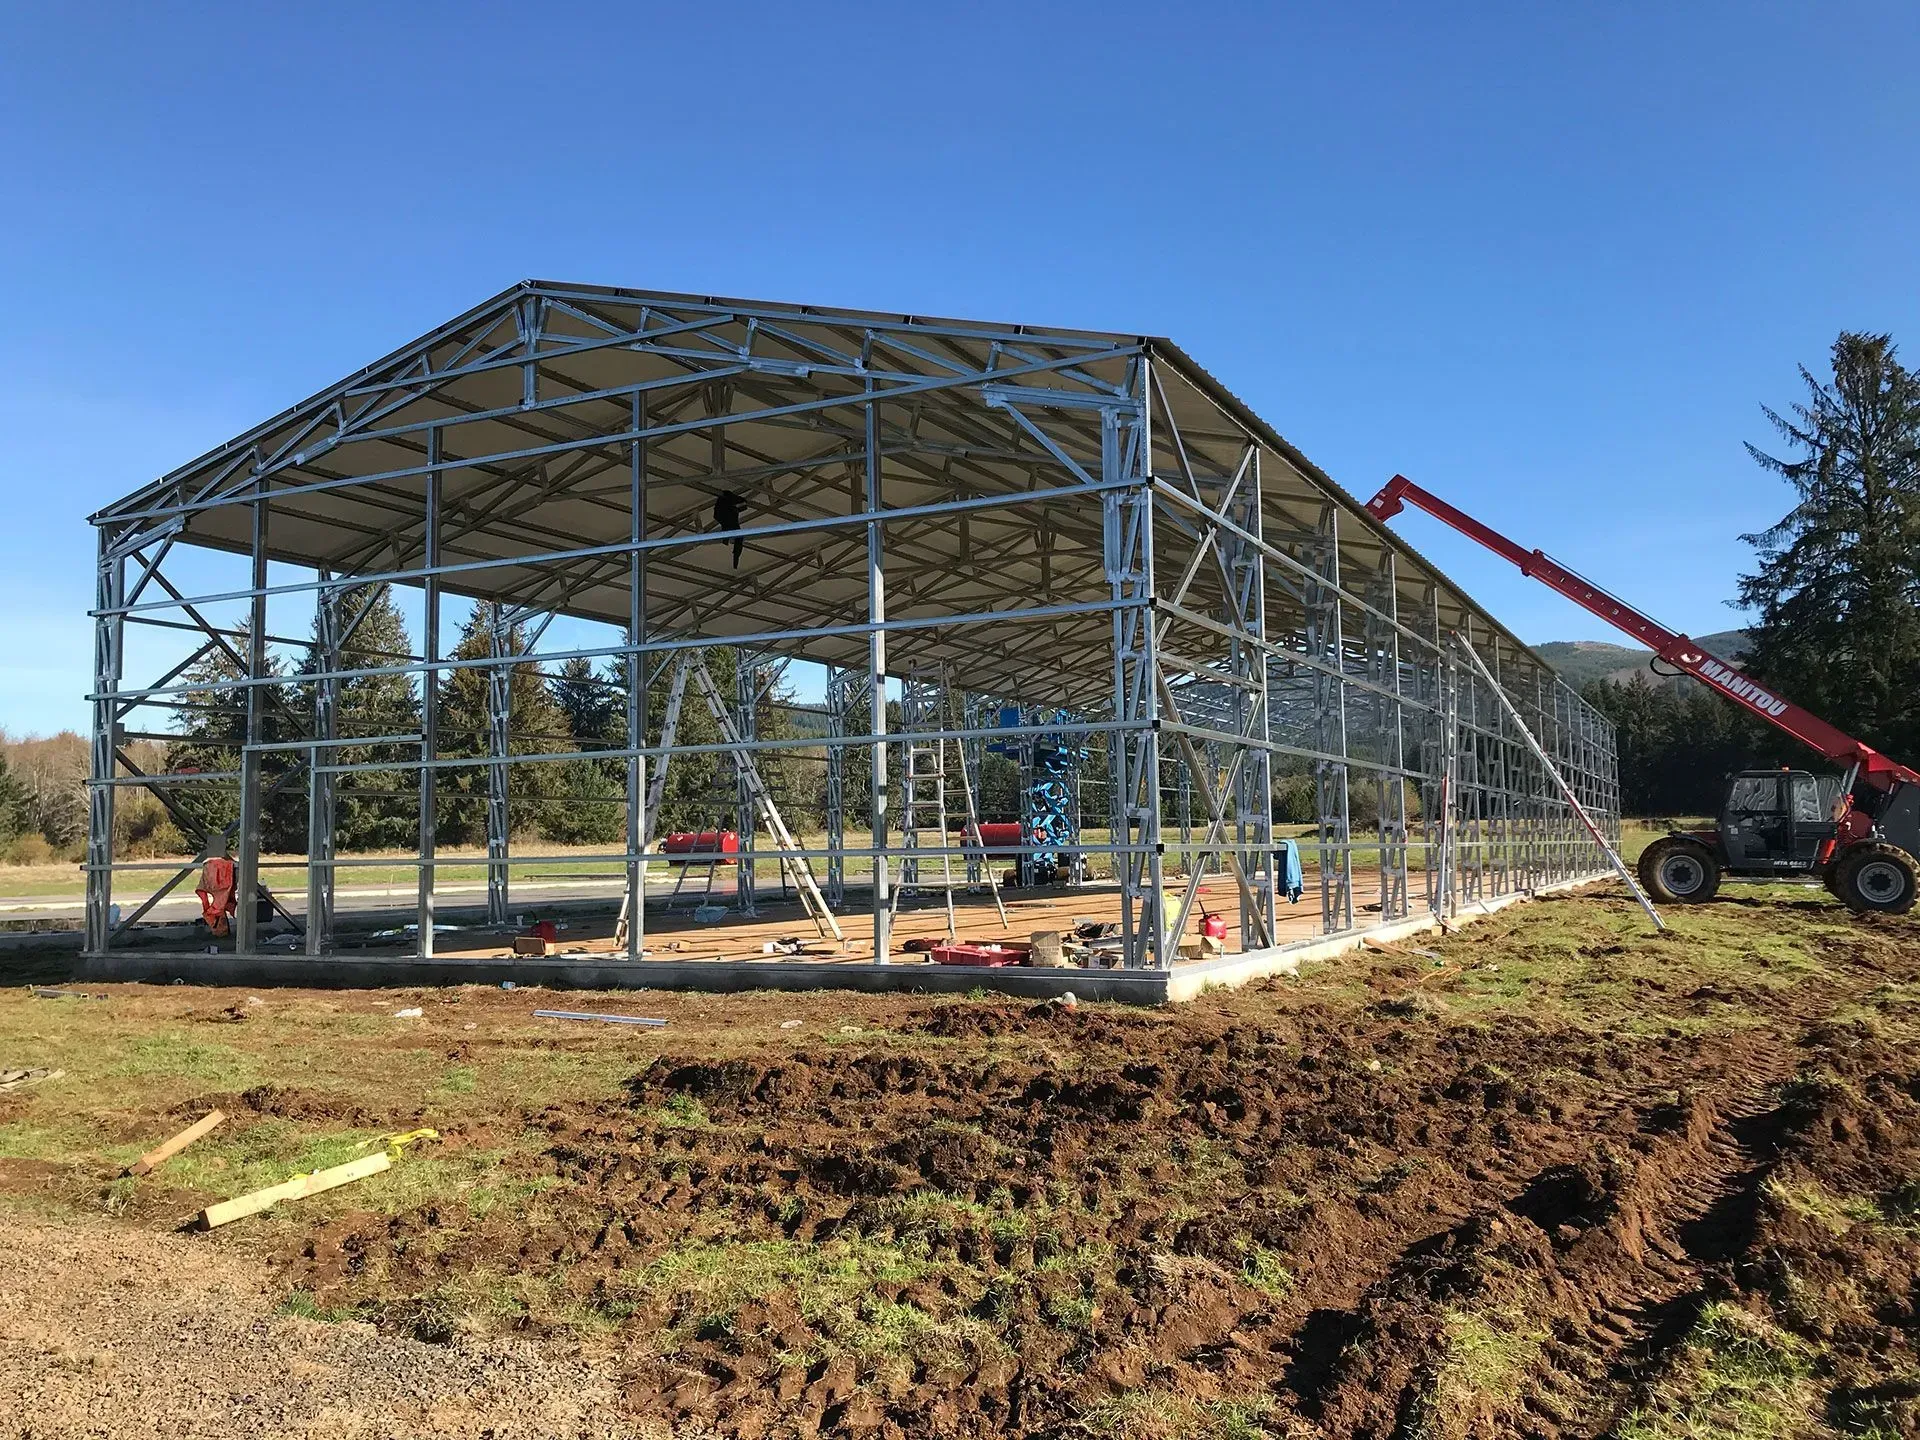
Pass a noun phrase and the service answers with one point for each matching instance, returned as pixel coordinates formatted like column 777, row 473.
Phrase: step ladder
column 792, row 867
column 924, row 795
column 693, row 666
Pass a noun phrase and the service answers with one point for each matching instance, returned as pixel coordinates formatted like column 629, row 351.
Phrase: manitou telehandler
column 1859, row 833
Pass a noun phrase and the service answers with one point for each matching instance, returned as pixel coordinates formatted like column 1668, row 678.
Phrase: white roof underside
column 552, row 481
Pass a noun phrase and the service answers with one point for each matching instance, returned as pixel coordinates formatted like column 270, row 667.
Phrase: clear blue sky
column 1546, row 259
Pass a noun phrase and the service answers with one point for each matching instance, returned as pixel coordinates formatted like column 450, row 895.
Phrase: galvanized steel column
column 247, row 876
column 108, row 656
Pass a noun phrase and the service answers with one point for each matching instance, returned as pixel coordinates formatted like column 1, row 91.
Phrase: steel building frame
column 1083, row 522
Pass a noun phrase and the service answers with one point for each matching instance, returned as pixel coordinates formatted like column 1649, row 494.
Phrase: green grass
column 1264, row 1272
column 265, row 1152
column 1163, row 1414
column 1603, row 967
column 179, row 1055
column 1895, row 1209
column 303, row 1304
column 702, row 1284
column 1484, row 1362
column 21, row 1141
column 683, row 1112
column 1740, row 1378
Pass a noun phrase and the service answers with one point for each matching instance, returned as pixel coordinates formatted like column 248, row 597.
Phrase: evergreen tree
column 700, row 790
column 1838, row 584
column 589, row 799
column 595, row 706
column 213, row 728
column 373, row 809
column 13, row 804
column 1677, row 745
column 535, row 726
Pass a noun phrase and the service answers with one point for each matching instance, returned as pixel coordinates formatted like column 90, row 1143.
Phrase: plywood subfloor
column 677, row 936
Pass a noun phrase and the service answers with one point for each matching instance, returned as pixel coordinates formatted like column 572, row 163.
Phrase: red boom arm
column 1676, row 650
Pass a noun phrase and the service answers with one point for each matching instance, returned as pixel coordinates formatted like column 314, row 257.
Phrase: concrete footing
column 592, row 972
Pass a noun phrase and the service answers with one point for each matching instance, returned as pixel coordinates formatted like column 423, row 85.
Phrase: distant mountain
column 1580, row 661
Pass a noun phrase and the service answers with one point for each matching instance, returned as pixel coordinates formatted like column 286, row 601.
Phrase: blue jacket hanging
column 1286, row 866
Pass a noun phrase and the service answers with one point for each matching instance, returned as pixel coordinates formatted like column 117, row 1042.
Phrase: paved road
column 182, row 904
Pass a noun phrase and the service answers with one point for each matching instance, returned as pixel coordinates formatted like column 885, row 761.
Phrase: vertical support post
column 499, row 744
column 1434, row 796
column 429, row 698
column 1443, row 897
column 637, row 687
column 323, row 755
column 746, row 724
column 109, row 630
column 247, row 871
column 1134, row 747
column 877, row 673
column 840, row 682
column 1332, row 805
column 1259, row 905
column 1394, row 902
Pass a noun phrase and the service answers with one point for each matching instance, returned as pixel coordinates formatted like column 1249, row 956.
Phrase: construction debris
column 48, row 992
column 13, row 1079
column 592, row 1015
column 297, row 1188
column 167, row 1149
column 301, row 1186
column 1046, row 949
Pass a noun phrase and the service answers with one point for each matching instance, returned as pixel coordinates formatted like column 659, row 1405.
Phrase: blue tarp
column 1286, row 870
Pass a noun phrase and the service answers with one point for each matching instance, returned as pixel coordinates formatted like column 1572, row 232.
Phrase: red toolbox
column 964, row 954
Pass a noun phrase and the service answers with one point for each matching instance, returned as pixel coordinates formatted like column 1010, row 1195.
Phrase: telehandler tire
column 1876, row 878
column 1680, row 871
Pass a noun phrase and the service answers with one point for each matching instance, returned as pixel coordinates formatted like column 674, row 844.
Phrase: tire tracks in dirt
column 1600, row 1265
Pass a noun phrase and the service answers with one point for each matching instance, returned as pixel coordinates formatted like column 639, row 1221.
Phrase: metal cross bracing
column 1082, row 525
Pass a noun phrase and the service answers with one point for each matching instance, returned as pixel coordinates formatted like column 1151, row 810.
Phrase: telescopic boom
column 1677, row 650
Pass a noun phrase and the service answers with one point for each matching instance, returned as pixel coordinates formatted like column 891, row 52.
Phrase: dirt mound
column 1257, row 1217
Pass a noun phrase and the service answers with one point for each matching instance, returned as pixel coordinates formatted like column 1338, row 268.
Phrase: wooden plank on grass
column 297, row 1188
column 167, row 1149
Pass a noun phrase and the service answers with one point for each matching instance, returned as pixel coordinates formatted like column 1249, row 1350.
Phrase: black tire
column 1680, row 871
column 1876, row 878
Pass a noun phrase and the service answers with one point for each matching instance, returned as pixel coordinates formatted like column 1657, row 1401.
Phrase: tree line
column 578, row 711
column 1835, row 590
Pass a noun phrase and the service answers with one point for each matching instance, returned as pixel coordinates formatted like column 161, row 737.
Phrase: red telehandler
column 1861, row 836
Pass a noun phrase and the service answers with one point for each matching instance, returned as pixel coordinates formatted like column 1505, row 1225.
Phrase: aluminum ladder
column 923, row 808
column 793, row 867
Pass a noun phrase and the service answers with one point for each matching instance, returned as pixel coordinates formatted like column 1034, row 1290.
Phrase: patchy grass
column 683, row 1112
column 303, row 1304
column 1813, row 1201
column 897, row 1279
column 702, row 1286
column 21, row 1141
column 1162, row 1414
column 233, row 1161
column 176, row 1054
column 1483, row 1364
column 1264, row 1272
column 1740, row 1378
column 1603, row 968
